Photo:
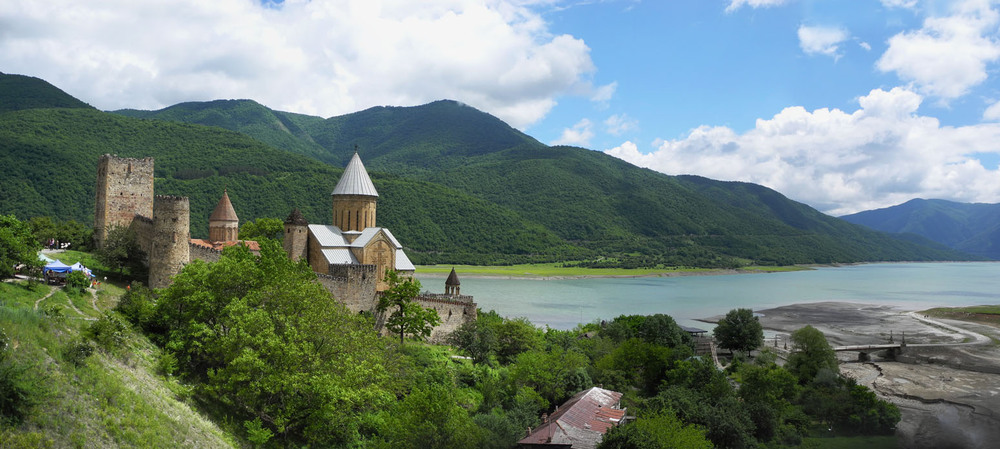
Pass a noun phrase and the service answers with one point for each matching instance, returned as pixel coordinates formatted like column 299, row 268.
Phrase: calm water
column 562, row 304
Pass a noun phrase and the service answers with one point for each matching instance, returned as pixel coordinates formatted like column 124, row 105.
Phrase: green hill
column 50, row 156
column 457, row 184
column 972, row 228
column 19, row 92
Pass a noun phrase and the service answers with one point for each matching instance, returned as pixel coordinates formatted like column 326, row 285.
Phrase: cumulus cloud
column 737, row 4
column 620, row 123
column 821, row 40
column 948, row 55
column 322, row 57
column 579, row 135
column 992, row 112
column 840, row 162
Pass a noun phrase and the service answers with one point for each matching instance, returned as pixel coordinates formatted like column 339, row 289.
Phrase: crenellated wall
column 205, row 253
column 454, row 311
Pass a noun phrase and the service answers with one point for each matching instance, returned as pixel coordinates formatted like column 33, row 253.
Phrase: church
column 353, row 239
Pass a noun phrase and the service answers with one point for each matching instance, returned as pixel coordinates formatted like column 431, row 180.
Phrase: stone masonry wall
column 204, row 253
column 352, row 285
column 454, row 311
column 124, row 190
column 171, row 239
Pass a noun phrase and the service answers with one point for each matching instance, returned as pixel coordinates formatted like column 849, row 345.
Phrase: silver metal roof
column 355, row 180
column 342, row 256
column 328, row 236
column 402, row 262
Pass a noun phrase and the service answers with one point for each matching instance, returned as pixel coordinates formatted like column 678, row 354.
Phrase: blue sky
column 845, row 105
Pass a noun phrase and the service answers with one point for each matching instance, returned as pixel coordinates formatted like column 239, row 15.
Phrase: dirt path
column 52, row 290
column 979, row 339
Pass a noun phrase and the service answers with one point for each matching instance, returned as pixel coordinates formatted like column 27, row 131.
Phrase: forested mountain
column 26, row 92
column 456, row 184
column 972, row 228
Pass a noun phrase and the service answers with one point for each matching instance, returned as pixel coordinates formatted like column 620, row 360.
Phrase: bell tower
column 354, row 198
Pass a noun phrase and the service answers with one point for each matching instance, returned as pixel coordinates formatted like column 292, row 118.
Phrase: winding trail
column 52, row 291
column 980, row 339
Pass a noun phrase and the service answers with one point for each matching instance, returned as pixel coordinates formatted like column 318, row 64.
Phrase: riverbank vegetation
column 981, row 314
column 571, row 269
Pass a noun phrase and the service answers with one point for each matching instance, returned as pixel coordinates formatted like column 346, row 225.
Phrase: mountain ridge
column 501, row 195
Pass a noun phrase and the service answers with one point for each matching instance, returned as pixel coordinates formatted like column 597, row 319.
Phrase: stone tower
column 124, row 190
column 452, row 286
column 224, row 225
column 171, row 236
column 296, row 235
column 354, row 198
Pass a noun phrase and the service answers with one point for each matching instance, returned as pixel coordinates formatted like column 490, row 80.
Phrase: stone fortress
column 350, row 256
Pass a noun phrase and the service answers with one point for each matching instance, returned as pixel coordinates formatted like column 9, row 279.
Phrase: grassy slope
column 109, row 400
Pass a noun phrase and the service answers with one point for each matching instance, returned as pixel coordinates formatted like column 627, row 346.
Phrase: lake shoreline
column 665, row 274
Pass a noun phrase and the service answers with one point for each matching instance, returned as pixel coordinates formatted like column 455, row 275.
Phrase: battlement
column 446, row 299
column 170, row 199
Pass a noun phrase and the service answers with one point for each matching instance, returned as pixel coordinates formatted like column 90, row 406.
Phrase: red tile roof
column 580, row 422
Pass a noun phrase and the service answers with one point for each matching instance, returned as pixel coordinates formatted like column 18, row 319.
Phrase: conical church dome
column 224, row 210
column 355, row 180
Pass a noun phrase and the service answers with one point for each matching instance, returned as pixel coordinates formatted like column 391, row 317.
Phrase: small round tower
column 296, row 235
column 170, row 249
column 354, row 198
column 452, row 286
column 224, row 225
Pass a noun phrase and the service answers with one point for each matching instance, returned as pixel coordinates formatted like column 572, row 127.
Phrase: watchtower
column 171, row 237
column 124, row 190
column 296, row 235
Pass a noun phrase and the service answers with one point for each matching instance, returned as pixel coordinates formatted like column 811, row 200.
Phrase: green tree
column 121, row 250
column 264, row 227
column 18, row 246
column 266, row 341
column 658, row 431
column 739, row 330
column 810, row 354
column 406, row 317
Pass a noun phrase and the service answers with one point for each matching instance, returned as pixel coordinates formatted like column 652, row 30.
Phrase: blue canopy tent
column 56, row 270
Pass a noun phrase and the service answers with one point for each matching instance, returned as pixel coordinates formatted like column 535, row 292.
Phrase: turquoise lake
column 562, row 304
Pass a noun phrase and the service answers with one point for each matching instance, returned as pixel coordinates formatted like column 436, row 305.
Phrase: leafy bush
column 20, row 388
column 110, row 332
column 77, row 282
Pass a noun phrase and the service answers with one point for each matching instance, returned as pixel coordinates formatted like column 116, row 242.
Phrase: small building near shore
column 579, row 423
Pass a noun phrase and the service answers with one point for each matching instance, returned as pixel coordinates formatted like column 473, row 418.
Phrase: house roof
column 581, row 421
column 355, row 180
column 224, row 210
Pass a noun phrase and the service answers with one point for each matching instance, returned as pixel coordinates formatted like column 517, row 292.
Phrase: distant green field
column 558, row 270
column 983, row 314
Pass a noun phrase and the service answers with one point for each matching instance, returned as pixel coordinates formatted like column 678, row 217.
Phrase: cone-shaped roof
column 452, row 278
column 355, row 180
column 224, row 210
column 296, row 218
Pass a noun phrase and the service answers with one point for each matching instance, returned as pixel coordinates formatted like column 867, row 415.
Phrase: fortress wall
column 143, row 228
column 454, row 311
column 295, row 241
column 352, row 285
column 171, row 239
column 124, row 190
column 206, row 254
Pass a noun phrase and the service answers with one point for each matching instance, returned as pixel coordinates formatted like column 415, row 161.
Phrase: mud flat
column 946, row 382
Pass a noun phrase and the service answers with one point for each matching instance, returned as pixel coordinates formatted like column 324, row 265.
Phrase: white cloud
column 948, row 55
column 579, row 135
column 323, row 57
column 840, row 162
column 992, row 113
column 865, row 45
column 737, row 4
column 907, row 4
column 620, row 123
column 821, row 40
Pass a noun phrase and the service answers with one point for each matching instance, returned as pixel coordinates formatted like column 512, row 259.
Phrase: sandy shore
column 946, row 383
